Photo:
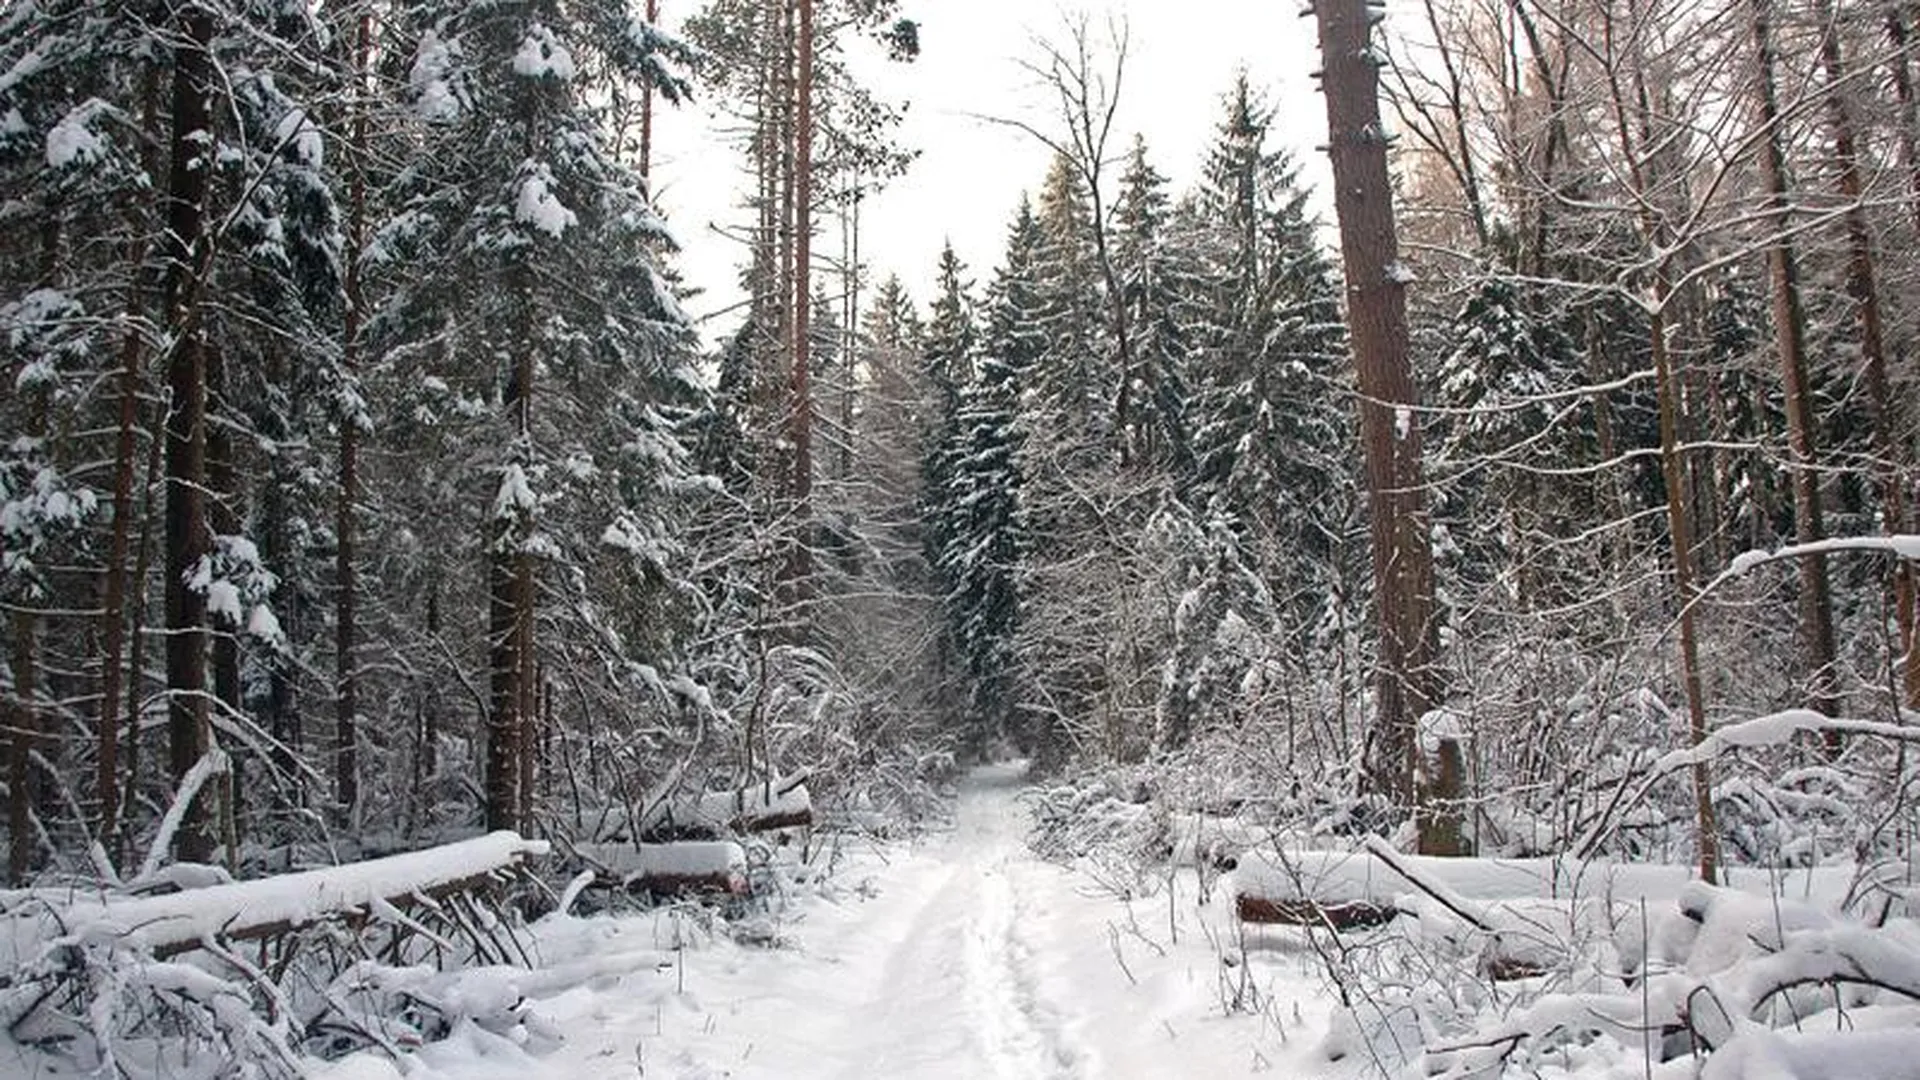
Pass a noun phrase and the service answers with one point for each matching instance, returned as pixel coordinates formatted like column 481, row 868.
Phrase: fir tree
column 988, row 542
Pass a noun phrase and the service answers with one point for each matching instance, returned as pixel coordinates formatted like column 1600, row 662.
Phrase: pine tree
column 989, row 536
column 947, row 363
column 1270, row 436
column 1159, row 283
column 575, row 390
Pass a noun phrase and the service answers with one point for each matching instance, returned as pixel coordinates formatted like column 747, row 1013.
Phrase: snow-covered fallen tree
column 231, row 978
column 687, row 866
column 759, row 807
column 1614, row 961
column 37, row 921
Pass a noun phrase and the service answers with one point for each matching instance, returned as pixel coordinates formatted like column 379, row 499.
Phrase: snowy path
column 961, row 957
column 962, row 980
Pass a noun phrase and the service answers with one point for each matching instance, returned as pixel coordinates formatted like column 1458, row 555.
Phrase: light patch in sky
column 970, row 174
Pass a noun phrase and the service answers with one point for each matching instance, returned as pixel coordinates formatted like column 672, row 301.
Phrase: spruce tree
column 989, row 538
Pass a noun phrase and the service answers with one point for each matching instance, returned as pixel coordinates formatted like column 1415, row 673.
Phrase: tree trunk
column 1890, row 456
column 113, row 614
column 646, row 110
column 25, row 729
column 187, row 541
column 1408, row 683
column 1634, row 122
column 503, row 725
column 1900, row 35
column 1789, row 326
column 802, row 393
column 223, row 489
column 346, row 627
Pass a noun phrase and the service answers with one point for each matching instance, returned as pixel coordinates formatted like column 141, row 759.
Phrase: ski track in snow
column 965, row 964
column 961, row 957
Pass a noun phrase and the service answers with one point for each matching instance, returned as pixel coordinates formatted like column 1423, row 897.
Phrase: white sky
column 970, row 173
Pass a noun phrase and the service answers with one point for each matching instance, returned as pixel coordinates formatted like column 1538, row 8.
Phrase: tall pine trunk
column 1408, row 680
column 113, row 607
column 346, row 627
column 23, row 732
column 801, row 403
column 1891, row 458
column 187, row 541
column 1789, row 327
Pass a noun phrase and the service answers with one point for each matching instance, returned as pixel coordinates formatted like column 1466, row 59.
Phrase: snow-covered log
column 687, row 867
column 177, row 922
column 1332, row 914
column 760, row 807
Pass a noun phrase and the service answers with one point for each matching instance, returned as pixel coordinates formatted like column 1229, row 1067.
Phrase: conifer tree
column 989, row 537
column 573, row 393
column 1270, row 435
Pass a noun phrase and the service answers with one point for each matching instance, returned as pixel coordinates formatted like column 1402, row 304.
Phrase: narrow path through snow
column 960, row 957
column 960, row 996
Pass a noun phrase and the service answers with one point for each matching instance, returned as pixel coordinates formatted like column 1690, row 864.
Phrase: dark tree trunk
column 1900, row 35
column 1789, row 327
column 646, row 108
column 113, row 613
column 1891, row 458
column 346, row 629
column 223, row 489
column 187, row 540
column 24, row 730
column 801, row 403
column 503, row 725
column 1408, row 680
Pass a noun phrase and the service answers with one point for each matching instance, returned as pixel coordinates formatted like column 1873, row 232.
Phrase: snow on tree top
column 430, row 80
column 72, row 141
column 537, row 206
column 541, row 55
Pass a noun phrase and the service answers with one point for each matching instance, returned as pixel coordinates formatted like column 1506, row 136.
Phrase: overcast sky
column 970, row 173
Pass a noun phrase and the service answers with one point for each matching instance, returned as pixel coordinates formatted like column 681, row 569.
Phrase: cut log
column 689, row 869
column 1339, row 915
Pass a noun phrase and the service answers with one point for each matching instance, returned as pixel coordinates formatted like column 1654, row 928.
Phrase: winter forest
column 1456, row 623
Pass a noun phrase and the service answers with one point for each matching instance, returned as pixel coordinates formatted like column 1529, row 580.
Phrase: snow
column 959, row 956
column 1441, row 726
column 536, row 205
column 1342, row 876
column 298, row 133
column 431, row 80
column 541, row 56
column 264, row 625
column 1402, row 422
column 71, row 142
column 1900, row 545
column 1763, row 1054
column 291, row 899
column 515, row 496
column 1401, row 274
column 691, row 858
column 223, row 602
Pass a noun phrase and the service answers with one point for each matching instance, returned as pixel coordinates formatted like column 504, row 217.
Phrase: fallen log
column 174, row 923
column 1349, row 915
column 761, row 807
column 678, row 869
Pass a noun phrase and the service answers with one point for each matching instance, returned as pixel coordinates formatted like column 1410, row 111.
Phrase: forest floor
column 957, row 955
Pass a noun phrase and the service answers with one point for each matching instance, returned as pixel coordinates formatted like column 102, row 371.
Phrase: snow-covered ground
column 957, row 956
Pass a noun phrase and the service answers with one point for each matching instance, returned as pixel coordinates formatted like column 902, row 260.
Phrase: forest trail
column 959, row 995
column 959, row 956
